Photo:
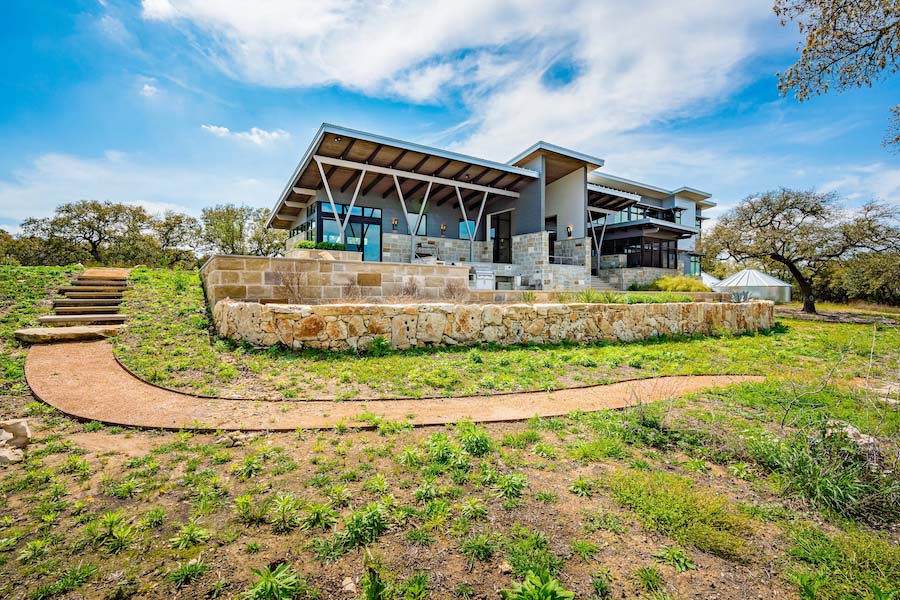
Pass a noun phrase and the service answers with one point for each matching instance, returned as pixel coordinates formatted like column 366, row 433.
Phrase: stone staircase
column 86, row 309
column 605, row 284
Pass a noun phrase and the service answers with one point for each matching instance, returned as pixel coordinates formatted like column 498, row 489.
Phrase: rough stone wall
column 312, row 281
column 355, row 326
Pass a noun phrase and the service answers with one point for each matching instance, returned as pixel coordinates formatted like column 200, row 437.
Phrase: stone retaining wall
column 355, row 326
column 311, row 281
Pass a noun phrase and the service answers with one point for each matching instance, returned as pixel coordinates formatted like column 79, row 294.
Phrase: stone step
column 45, row 335
column 104, row 273
column 91, row 288
column 85, row 310
column 82, row 319
column 119, row 283
column 81, row 295
column 87, row 301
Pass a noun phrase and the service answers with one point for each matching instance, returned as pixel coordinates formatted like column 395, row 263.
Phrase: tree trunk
column 805, row 284
column 809, row 304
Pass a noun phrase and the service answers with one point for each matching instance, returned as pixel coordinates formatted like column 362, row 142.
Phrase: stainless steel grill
column 482, row 279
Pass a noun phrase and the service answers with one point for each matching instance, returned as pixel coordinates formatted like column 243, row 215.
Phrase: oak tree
column 805, row 232
column 847, row 44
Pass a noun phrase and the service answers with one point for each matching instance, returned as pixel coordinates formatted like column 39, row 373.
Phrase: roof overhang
column 651, row 191
column 347, row 152
column 609, row 199
column 559, row 161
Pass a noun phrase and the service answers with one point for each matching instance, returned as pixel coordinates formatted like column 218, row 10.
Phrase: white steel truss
column 349, row 164
column 396, row 174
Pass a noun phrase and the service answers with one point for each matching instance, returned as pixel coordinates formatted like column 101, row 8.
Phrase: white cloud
column 639, row 62
column 54, row 179
column 217, row 130
column 149, row 90
column 875, row 181
column 158, row 9
column 254, row 135
column 114, row 30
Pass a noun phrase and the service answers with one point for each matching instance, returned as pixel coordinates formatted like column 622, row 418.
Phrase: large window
column 644, row 251
column 638, row 213
column 694, row 266
column 363, row 232
column 411, row 218
column 464, row 231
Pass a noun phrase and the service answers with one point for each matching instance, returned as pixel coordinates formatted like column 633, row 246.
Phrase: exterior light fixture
column 394, row 223
column 338, row 138
column 443, row 229
column 569, row 230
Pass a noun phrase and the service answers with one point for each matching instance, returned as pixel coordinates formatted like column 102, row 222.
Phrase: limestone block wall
column 395, row 248
column 313, row 281
column 355, row 326
column 624, row 278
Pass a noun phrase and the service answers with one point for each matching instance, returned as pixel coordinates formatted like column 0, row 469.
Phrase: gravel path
column 83, row 379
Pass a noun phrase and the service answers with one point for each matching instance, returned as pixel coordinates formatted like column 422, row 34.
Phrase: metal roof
column 543, row 146
column 381, row 151
column 751, row 278
column 708, row 280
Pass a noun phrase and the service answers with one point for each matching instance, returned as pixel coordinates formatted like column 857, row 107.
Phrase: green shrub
column 537, row 586
column 280, row 583
column 305, row 244
column 188, row 572
column 674, row 283
column 530, row 551
column 832, row 474
column 330, row 246
column 649, row 579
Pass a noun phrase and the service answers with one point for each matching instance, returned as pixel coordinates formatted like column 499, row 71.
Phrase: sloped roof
column 751, row 278
column 708, row 280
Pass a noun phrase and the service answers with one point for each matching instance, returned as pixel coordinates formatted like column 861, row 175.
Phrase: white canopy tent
column 760, row 285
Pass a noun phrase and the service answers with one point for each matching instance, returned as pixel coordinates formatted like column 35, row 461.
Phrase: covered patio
column 352, row 186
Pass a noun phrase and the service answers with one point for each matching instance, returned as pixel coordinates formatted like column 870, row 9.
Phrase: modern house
column 548, row 219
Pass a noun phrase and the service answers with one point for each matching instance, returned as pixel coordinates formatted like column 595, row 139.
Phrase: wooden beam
column 435, row 173
column 293, row 204
column 475, row 179
column 302, row 191
column 378, row 179
column 390, row 191
column 412, row 175
column 342, row 155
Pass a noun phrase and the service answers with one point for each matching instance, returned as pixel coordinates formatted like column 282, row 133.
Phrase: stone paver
column 84, row 380
column 49, row 335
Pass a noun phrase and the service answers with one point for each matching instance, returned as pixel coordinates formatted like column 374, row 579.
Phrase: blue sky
column 186, row 103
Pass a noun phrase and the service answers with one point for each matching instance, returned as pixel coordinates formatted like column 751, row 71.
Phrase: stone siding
column 355, row 326
column 313, row 281
column 395, row 248
column 622, row 279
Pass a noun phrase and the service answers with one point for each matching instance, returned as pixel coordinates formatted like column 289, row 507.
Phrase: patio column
column 469, row 231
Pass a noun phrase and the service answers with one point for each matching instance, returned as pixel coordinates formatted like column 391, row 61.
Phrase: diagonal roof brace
column 349, row 164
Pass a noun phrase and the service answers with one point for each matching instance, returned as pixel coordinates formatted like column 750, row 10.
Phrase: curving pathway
column 83, row 379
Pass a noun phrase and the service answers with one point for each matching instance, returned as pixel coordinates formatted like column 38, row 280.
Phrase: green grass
column 849, row 564
column 704, row 481
column 169, row 343
column 23, row 298
column 671, row 504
